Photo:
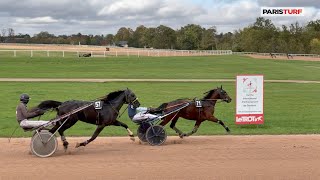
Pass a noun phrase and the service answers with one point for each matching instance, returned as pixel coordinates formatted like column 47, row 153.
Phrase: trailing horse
column 106, row 115
column 198, row 110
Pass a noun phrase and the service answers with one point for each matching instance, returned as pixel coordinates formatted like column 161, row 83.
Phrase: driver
column 23, row 114
column 142, row 114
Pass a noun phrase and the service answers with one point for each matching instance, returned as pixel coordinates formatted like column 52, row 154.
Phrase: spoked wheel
column 141, row 132
column 156, row 135
column 43, row 144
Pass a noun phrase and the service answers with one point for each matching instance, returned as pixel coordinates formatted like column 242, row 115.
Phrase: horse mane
column 111, row 96
column 209, row 94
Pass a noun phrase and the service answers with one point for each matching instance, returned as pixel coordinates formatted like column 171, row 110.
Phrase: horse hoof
column 78, row 145
column 65, row 145
column 182, row 135
column 132, row 139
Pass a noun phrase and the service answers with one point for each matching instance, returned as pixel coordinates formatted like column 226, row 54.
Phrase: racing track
column 198, row 157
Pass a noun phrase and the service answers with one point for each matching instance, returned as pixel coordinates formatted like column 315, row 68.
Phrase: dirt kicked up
column 198, row 157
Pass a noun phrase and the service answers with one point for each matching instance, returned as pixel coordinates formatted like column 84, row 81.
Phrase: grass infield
column 214, row 67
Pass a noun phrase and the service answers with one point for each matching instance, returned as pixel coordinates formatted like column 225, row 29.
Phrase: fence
column 121, row 52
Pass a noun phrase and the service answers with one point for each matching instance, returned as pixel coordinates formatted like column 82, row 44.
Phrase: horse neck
column 213, row 99
column 118, row 102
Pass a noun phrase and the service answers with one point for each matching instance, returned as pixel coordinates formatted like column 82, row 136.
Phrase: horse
column 111, row 105
column 289, row 56
column 193, row 111
column 85, row 55
column 272, row 55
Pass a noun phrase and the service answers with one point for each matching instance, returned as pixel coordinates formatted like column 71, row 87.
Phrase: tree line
column 260, row 36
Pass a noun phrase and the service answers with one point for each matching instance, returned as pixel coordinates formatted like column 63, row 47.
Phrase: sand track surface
column 198, row 157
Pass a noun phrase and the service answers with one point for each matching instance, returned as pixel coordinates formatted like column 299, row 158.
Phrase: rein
column 174, row 106
column 221, row 100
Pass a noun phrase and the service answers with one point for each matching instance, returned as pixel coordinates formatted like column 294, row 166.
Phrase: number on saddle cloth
column 198, row 103
column 98, row 105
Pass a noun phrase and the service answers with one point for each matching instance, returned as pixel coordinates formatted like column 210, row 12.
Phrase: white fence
column 121, row 52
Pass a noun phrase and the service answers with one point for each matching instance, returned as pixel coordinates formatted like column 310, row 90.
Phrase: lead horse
column 106, row 116
column 198, row 110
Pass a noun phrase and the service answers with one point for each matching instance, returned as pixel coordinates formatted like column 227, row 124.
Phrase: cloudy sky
column 107, row 16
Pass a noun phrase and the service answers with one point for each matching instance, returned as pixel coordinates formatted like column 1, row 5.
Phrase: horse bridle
column 126, row 95
column 127, row 100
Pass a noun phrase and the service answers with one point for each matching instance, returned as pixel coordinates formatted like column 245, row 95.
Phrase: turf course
column 289, row 108
column 217, row 67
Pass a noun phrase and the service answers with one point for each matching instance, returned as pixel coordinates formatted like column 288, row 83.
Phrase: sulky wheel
column 141, row 132
column 43, row 144
column 156, row 135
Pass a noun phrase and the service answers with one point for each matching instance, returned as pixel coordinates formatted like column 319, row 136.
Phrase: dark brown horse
column 193, row 111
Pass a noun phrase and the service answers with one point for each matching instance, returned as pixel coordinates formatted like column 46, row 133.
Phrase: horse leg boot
column 225, row 127
column 214, row 119
column 94, row 136
column 65, row 143
column 118, row 123
column 63, row 138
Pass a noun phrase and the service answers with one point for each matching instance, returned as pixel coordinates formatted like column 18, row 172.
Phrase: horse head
column 126, row 96
column 218, row 93
column 131, row 98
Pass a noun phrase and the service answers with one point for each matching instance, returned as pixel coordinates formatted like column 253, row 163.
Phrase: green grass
column 226, row 67
column 289, row 108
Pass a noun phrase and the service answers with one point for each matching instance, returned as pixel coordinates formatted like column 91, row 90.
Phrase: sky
column 97, row 17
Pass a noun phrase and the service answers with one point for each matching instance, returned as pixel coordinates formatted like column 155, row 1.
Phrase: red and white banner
column 249, row 105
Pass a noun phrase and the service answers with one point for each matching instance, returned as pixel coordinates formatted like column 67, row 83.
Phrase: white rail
column 116, row 52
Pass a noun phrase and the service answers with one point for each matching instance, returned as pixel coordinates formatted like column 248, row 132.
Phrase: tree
column 189, row 37
column 10, row 33
column 150, row 37
column 314, row 25
column 315, row 46
column 3, row 32
column 123, row 34
column 110, row 39
column 165, row 37
column 208, row 40
column 138, row 37
column 44, row 37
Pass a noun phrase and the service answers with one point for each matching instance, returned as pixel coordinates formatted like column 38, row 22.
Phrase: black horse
column 106, row 116
column 85, row 55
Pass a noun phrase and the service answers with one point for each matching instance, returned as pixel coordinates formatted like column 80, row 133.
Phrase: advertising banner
column 249, row 105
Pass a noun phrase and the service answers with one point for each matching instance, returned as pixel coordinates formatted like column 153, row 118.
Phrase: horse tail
column 49, row 104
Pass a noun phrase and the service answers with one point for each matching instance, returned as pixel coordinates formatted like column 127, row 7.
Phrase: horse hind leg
column 119, row 123
column 173, row 126
column 64, row 126
column 214, row 119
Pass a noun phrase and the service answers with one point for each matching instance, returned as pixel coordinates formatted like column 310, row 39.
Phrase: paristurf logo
column 282, row 11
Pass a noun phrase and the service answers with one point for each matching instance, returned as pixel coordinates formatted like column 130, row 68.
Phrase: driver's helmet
column 24, row 98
